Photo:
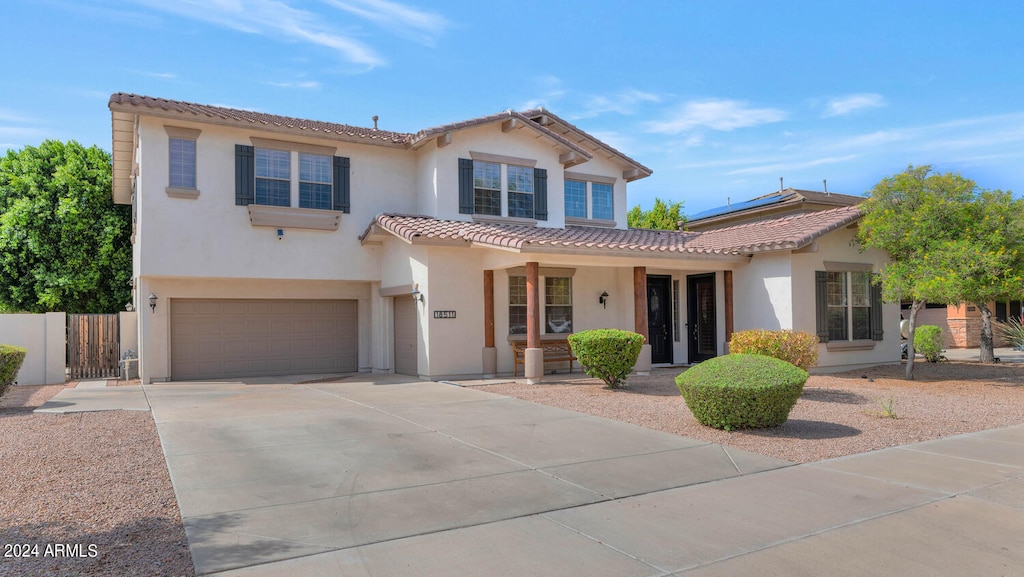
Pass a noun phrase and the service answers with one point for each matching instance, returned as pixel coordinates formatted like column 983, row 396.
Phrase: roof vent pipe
column 824, row 185
column 728, row 202
column 375, row 118
column 780, row 184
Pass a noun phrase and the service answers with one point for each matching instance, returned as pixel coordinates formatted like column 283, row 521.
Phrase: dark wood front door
column 701, row 321
column 659, row 317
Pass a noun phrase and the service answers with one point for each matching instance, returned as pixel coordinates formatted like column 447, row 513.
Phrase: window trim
column 544, row 274
column 875, row 308
column 182, row 133
column 589, row 180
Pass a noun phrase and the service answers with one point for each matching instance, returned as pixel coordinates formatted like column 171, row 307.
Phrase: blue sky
column 719, row 98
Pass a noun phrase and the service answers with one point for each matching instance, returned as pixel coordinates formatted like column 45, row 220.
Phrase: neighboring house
column 273, row 245
column 772, row 205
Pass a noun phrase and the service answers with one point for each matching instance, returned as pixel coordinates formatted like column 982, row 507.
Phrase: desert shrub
column 11, row 358
column 739, row 391
column 928, row 342
column 607, row 354
column 795, row 347
column 1012, row 332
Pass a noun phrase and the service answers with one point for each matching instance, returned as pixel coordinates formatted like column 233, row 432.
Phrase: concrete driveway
column 382, row 475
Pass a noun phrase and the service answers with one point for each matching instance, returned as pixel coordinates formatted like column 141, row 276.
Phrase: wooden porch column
column 534, row 359
column 489, row 308
column 490, row 354
column 643, row 362
column 727, row 277
column 640, row 301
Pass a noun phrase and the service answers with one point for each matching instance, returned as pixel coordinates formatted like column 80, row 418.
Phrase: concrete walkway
column 378, row 475
column 383, row 476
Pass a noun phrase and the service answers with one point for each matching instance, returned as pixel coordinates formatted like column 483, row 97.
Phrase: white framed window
column 486, row 188
column 557, row 300
column 315, row 181
column 273, row 177
column 182, row 162
column 849, row 305
column 182, row 152
column 276, row 184
column 589, row 197
column 520, row 191
column 575, row 198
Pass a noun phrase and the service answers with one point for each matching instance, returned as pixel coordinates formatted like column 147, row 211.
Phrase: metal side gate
column 93, row 346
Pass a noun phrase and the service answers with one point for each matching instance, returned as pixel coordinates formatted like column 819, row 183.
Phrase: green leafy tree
column 947, row 242
column 663, row 216
column 64, row 244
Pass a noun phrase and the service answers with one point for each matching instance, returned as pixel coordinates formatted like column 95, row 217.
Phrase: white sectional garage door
column 221, row 338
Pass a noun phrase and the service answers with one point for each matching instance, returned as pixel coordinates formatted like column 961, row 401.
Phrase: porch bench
column 556, row 350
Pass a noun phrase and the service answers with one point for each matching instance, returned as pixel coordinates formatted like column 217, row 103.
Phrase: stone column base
column 534, row 366
column 490, row 365
column 642, row 368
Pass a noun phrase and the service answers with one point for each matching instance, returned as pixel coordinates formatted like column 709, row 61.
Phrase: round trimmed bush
column 11, row 358
column 741, row 391
column 928, row 342
column 607, row 354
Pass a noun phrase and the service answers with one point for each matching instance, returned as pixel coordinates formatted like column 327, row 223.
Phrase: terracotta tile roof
column 501, row 116
column 204, row 112
column 785, row 233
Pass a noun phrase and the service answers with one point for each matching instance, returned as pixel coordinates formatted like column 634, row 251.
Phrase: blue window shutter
column 876, row 312
column 342, row 186
column 245, row 175
column 821, row 304
column 540, row 194
column 465, row 186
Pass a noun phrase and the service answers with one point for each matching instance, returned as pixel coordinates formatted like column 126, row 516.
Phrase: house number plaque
column 444, row 314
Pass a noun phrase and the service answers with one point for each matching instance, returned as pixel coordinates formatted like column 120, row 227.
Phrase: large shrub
column 795, row 347
column 11, row 358
column 607, row 354
column 739, row 391
column 928, row 342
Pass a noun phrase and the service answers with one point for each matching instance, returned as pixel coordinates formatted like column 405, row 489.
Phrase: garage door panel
column 213, row 338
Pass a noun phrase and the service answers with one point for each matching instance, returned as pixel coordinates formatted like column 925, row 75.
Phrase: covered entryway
column 659, row 317
column 220, row 338
column 405, row 336
column 700, row 291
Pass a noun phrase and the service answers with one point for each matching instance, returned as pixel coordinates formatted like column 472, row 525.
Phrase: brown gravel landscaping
column 93, row 487
column 838, row 414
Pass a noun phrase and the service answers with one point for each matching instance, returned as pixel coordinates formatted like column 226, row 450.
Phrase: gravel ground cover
column 838, row 414
column 85, row 493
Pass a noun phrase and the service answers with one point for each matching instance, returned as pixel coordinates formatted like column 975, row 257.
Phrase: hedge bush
column 11, row 358
column 607, row 354
column 795, row 347
column 739, row 391
column 928, row 342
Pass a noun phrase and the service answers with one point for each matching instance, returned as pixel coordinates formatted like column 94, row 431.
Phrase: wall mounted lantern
column 417, row 296
column 603, row 299
column 152, row 302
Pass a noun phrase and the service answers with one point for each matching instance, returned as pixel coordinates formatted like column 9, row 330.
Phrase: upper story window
column 273, row 177
column 849, row 306
column 589, row 197
column 181, row 162
column 520, row 191
column 487, row 188
column 280, row 182
column 502, row 186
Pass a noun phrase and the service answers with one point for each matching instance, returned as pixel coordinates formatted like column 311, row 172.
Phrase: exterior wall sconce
column 417, row 296
column 603, row 299
column 152, row 302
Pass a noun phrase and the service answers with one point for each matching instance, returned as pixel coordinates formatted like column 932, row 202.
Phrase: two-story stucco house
column 268, row 245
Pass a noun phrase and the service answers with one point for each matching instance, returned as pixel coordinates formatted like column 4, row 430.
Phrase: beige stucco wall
column 840, row 246
column 763, row 293
column 44, row 337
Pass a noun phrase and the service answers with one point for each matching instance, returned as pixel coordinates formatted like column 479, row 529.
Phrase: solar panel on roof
column 776, row 198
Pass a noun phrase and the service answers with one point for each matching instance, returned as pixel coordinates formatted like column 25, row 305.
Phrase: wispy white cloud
column 305, row 84
column 851, row 103
column 794, row 166
column 718, row 114
column 623, row 102
column 421, row 26
column 275, row 18
column 550, row 89
column 8, row 115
